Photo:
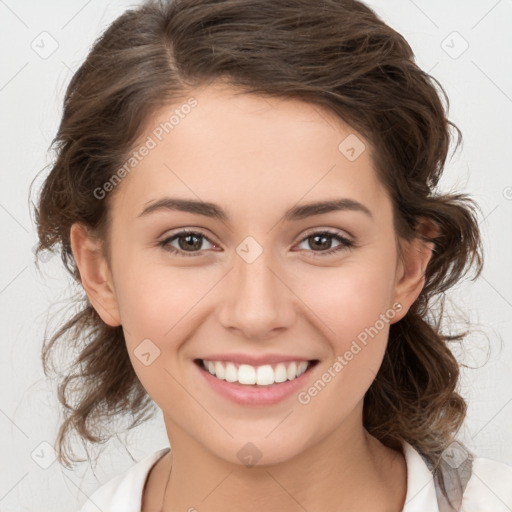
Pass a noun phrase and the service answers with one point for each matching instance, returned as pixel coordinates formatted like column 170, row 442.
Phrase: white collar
column 421, row 490
column 124, row 492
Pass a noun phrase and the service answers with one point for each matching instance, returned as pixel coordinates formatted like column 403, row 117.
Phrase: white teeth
column 264, row 375
column 301, row 368
column 231, row 374
column 280, row 374
column 246, row 374
column 219, row 370
column 292, row 371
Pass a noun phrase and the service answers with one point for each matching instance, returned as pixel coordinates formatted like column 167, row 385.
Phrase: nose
column 256, row 301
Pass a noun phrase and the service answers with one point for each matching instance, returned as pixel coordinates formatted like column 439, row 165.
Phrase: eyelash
column 345, row 243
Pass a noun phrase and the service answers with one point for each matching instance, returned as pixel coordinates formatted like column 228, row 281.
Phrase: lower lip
column 255, row 395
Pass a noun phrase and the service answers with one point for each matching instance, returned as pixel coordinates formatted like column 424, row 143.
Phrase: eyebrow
column 216, row 212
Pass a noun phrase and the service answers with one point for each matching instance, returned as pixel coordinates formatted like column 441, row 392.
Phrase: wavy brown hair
column 335, row 54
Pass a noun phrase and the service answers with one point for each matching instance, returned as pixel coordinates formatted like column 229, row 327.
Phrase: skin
column 256, row 157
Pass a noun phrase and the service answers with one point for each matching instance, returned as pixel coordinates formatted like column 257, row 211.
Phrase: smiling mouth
column 249, row 375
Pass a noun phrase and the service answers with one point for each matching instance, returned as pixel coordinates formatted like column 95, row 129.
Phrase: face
column 259, row 279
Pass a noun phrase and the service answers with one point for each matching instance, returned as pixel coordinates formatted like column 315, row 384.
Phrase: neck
column 354, row 472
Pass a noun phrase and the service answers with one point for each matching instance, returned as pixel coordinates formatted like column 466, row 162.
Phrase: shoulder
column 123, row 493
column 489, row 488
column 473, row 483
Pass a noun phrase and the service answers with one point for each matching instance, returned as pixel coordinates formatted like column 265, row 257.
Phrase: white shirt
column 489, row 488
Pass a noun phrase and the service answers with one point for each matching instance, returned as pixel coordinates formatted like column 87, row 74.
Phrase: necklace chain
column 165, row 490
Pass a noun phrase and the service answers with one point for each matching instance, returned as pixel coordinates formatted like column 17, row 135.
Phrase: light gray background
column 32, row 84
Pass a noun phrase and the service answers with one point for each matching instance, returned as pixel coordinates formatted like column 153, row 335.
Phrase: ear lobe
column 410, row 277
column 95, row 274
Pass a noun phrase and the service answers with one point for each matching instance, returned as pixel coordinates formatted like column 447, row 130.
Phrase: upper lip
column 254, row 360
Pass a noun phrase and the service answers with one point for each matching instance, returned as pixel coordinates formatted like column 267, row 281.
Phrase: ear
column 410, row 275
column 95, row 274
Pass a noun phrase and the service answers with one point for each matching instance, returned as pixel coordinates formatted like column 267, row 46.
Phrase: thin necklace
column 165, row 490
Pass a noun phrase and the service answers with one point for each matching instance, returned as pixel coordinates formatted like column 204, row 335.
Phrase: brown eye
column 321, row 242
column 189, row 243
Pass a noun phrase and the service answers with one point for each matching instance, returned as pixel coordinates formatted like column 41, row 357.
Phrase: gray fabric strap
column 456, row 466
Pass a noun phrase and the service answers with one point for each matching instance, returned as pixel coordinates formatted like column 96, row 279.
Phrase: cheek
column 352, row 304
column 159, row 311
column 351, row 297
column 154, row 298
column 160, row 302
column 355, row 314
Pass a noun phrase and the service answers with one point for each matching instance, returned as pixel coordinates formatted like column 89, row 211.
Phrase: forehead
column 248, row 151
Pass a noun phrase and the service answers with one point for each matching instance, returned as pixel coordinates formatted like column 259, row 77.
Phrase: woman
column 247, row 193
